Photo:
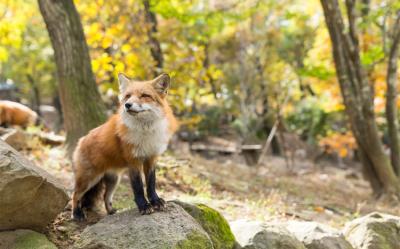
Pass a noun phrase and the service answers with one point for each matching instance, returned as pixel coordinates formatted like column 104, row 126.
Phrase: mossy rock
column 172, row 228
column 24, row 239
column 374, row 231
column 213, row 223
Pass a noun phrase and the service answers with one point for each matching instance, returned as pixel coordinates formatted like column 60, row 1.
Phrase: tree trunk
column 82, row 106
column 155, row 47
column 36, row 100
column 391, row 99
column 358, row 96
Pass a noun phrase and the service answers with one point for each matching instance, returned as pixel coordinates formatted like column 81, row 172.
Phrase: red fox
column 131, row 140
column 13, row 113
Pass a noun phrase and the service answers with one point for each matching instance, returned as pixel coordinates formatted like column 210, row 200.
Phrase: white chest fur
column 148, row 140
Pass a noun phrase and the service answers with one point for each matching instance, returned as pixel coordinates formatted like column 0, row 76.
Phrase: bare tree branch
column 391, row 98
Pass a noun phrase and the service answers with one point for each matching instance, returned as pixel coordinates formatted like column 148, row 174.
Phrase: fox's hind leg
column 84, row 181
column 149, row 168
column 111, row 181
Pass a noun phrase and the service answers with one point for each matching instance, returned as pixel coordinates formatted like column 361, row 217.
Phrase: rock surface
column 24, row 239
column 318, row 236
column 212, row 222
column 16, row 138
column 173, row 228
column 30, row 198
column 374, row 231
column 256, row 235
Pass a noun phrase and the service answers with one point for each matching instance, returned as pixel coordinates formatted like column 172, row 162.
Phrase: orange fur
column 111, row 147
column 13, row 113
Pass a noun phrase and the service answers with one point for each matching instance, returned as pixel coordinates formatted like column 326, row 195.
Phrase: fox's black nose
column 128, row 105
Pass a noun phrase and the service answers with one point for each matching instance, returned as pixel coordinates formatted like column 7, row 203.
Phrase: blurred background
column 237, row 66
column 264, row 128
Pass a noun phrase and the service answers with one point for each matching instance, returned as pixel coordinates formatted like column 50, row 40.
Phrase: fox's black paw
column 158, row 204
column 112, row 211
column 146, row 209
column 78, row 214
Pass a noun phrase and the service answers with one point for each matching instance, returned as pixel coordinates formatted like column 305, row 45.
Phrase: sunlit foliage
column 233, row 63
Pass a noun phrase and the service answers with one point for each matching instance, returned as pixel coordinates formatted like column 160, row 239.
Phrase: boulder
column 16, row 138
column 172, row 228
column 30, row 198
column 318, row 236
column 374, row 231
column 212, row 222
column 257, row 235
column 24, row 239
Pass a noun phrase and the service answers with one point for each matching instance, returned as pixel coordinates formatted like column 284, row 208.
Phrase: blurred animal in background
column 13, row 113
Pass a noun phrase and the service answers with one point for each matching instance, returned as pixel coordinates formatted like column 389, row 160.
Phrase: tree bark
column 391, row 99
column 155, row 47
column 358, row 96
column 36, row 99
column 82, row 106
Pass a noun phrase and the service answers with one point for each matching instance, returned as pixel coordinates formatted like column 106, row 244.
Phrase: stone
column 171, row 228
column 374, row 231
column 30, row 197
column 16, row 138
column 318, row 236
column 257, row 235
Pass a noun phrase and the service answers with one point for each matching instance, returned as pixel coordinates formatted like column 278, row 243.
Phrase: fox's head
column 143, row 101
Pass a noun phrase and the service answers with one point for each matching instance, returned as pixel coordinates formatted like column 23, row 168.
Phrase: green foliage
column 232, row 63
column 212, row 124
column 311, row 121
column 369, row 57
column 26, row 56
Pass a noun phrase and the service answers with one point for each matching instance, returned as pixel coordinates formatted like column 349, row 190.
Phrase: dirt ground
column 328, row 194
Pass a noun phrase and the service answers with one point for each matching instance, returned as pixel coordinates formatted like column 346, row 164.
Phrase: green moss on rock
column 213, row 223
column 195, row 240
column 33, row 240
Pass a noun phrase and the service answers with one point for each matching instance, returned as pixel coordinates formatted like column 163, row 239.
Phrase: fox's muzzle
column 135, row 108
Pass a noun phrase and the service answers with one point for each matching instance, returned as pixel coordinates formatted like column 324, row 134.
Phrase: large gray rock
column 173, row 228
column 318, row 236
column 24, row 239
column 29, row 197
column 374, row 231
column 257, row 235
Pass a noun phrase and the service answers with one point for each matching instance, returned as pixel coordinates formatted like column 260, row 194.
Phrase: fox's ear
column 161, row 83
column 123, row 82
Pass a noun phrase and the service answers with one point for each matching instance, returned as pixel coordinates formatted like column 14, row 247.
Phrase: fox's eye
column 145, row 96
column 127, row 96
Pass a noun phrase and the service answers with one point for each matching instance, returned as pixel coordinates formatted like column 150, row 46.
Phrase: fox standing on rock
column 130, row 140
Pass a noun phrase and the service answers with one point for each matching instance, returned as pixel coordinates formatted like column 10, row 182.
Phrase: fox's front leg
column 150, row 173
column 137, row 186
